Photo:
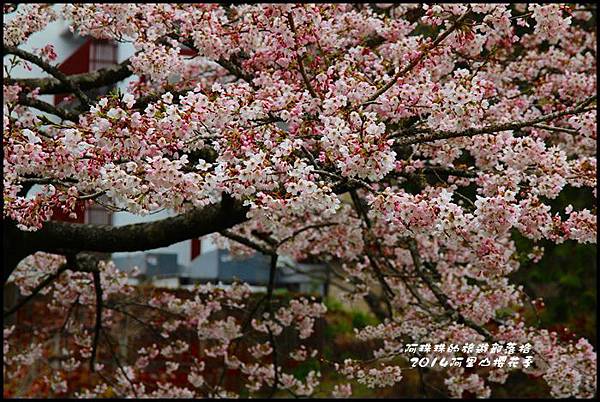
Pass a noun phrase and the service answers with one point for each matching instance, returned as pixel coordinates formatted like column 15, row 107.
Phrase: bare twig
column 49, row 279
column 559, row 129
column 154, row 331
column 246, row 242
column 440, row 296
column 363, row 214
column 301, row 64
column 304, row 229
column 116, row 359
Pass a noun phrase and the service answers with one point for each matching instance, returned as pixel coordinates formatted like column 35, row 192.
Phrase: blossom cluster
column 407, row 146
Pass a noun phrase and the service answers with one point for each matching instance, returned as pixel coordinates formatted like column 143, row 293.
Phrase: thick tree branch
column 48, row 108
column 140, row 236
column 60, row 237
column 85, row 81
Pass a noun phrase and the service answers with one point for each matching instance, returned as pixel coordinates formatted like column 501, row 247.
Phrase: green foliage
column 333, row 304
column 306, row 367
column 566, row 276
column 343, row 321
column 361, row 319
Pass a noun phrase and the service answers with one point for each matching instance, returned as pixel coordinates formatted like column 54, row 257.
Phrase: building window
column 98, row 215
column 92, row 55
column 102, row 54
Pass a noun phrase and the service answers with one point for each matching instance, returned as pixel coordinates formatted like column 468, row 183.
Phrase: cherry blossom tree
column 402, row 145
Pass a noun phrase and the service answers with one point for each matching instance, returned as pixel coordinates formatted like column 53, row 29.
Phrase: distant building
column 191, row 261
column 218, row 266
column 76, row 55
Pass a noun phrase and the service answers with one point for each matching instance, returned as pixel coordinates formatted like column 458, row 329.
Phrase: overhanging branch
column 64, row 237
column 85, row 81
column 417, row 136
column 50, row 69
column 59, row 236
column 48, row 108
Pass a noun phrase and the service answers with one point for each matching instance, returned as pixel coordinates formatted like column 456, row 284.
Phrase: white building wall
column 182, row 249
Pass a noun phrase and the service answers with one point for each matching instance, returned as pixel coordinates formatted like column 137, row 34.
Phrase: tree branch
column 232, row 65
column 300, row 64
column 60, row 237
column 246, row 242
column 49, row 279
column 441, row 297
column 85, row 81
column 98, row 325
column 428, row 134
column 418, row 59
column 140, row 236
column 365, row 218
column 304, row 229
column 48, row 108
column 50, row 69
column 271, row 285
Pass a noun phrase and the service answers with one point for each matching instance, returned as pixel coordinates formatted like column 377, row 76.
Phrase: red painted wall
column 196, row 248
column 77, row 63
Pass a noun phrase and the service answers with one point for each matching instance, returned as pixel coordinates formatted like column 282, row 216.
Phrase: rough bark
column 62, row 237
column 85, row 81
